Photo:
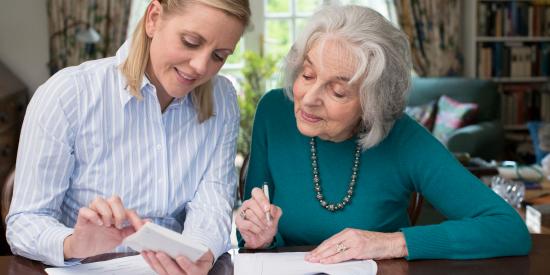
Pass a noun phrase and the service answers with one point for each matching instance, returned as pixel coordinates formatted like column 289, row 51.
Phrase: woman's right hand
column 100, row 228
column 256, row 230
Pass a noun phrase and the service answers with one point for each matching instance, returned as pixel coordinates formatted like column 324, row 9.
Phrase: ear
column 152, row 18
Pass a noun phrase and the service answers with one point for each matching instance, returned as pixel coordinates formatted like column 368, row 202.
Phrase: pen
column 265, row 188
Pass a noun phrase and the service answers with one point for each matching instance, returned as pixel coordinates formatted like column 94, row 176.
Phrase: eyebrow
column 341, row 78
column 202, row 40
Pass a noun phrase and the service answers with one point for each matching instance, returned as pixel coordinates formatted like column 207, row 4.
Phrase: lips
column 309, row 117
column 184, row 78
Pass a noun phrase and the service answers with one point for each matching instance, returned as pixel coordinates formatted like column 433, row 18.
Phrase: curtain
column 66, row 18
column 433, row 27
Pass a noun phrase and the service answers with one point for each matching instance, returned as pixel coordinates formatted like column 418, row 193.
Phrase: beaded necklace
column 317, row 182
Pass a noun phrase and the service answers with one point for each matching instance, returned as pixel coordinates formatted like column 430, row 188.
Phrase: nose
column 199, row 62
column 312, row 96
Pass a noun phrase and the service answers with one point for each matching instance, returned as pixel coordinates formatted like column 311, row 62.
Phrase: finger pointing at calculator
column 100, row 228
column 257, row 219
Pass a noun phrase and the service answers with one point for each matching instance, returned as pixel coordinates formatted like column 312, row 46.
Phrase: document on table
column 134, row 265
column 293, row 263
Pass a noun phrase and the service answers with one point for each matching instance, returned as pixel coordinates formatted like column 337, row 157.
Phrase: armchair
column 484, row 138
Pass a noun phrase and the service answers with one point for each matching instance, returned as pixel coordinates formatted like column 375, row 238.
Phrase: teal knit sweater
column 409, row 159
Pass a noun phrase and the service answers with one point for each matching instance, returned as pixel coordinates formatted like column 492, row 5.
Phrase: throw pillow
column 452, row 115
column 423, row 114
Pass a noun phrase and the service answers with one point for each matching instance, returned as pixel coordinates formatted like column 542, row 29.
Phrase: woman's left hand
column 355, row 244
column 162, row 263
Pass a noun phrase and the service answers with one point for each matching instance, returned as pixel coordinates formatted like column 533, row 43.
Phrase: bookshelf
column 508, row 42
column 511, row 46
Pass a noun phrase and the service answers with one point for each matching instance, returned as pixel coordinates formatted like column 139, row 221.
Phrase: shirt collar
column 124, row 94
column 179, row 102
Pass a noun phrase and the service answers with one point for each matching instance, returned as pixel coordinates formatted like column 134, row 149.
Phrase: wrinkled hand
column 99, row 228
column 256, row 230
column 162, row 263
column 355, row 244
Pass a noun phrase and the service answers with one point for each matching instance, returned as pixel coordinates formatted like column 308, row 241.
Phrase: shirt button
column 159, row 147
column 160, row 181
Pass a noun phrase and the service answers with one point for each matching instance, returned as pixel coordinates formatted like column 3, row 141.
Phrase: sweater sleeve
column 480, row 225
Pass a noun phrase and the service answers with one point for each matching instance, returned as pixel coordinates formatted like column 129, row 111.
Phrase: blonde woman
column 152, row 129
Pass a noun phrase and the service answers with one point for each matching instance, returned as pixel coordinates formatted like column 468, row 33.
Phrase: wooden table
column 537, row 193
column 12, row 265
column 537, row 262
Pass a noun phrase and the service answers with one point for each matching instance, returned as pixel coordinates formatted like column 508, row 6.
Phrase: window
column 283, row 19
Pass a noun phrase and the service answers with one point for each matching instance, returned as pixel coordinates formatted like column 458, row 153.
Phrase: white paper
column 134, row 265
column 157, row 238
column 293, row 263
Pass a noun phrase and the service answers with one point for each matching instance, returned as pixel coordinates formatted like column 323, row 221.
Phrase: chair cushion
column 451, row 115
column 423, row 114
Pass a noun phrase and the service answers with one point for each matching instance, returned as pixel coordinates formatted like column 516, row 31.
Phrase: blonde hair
column 135, row 64
column 384, row 63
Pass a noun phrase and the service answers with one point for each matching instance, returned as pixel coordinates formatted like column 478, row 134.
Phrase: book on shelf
column 513, row 39
column 514, row 18
column 521, row 61
column 543, row 56
column 514, row 59
column 545, row 106
column 521, row 103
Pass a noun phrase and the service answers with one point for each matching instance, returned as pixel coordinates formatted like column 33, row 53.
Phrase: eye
column 307, row 76
column 218, row 57
column 338, row 94
column 338, row 91
column 190, row 44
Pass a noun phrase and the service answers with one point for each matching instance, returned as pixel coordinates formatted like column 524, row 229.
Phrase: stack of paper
column 133, row 265
column 293, row 263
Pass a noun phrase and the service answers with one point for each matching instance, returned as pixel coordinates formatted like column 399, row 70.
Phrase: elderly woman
column 342, row 160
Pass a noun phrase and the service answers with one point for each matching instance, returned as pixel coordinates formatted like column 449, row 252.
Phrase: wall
column 24, row 40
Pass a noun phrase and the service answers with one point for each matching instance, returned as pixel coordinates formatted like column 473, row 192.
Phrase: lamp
column 88, row 35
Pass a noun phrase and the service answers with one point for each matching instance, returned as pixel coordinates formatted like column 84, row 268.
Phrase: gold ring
column 340, row 247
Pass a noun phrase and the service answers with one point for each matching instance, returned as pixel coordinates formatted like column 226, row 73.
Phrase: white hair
column 382, row 52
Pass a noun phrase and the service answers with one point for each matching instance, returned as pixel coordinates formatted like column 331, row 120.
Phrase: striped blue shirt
column 84, row 136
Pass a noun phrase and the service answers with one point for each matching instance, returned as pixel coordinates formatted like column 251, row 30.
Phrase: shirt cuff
column 218, row 247
column 51, row 244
